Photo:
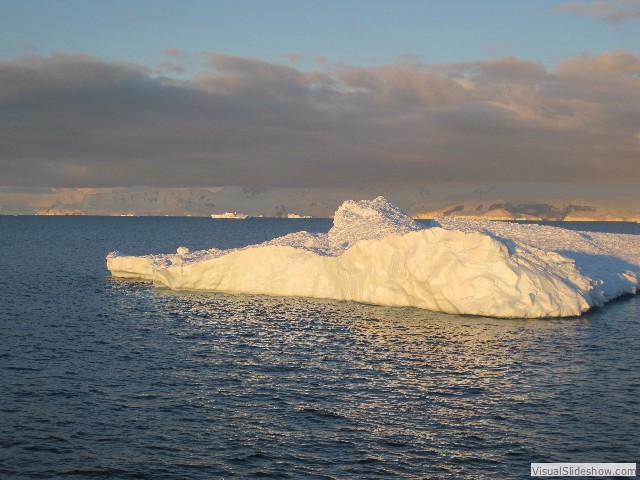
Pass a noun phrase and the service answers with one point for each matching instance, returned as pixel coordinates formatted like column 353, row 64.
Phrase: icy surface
column 364, row 220
column 377, row 254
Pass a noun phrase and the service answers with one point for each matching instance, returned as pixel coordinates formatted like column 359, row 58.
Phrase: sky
column 319, row 93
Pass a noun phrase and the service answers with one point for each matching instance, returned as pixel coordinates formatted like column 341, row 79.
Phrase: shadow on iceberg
column 610, row 276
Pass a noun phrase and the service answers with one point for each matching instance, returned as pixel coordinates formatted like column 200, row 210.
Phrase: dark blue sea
column 101, row 378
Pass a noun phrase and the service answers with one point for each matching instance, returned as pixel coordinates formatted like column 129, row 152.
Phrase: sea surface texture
column 106, row 378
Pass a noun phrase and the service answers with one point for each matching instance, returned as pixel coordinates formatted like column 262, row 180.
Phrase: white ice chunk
column 376, row 254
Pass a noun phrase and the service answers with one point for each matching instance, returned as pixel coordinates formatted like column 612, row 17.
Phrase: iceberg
column 230, row 215
column 377, row 254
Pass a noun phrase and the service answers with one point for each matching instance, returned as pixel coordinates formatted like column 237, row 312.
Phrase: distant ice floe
column 230, row 215
column 375, row 253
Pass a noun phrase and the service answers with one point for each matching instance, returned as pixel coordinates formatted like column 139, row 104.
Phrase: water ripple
column 113, row 379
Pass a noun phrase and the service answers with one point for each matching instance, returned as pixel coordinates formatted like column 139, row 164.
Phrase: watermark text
column 583, row 469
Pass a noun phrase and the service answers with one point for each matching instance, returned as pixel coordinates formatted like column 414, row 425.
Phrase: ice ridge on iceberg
column 375, row 253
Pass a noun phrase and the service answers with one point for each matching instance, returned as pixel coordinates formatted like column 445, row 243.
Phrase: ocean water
column 102, row 378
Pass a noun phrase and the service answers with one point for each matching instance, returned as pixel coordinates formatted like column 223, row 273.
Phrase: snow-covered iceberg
column 375, row 253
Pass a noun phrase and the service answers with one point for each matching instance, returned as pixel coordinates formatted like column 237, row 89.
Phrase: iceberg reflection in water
column 353, row 389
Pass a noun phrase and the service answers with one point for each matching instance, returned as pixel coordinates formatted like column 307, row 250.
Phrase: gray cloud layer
column 73, row 120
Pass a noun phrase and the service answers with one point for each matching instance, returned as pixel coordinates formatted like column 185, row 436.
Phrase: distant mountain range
column 502, row 210
column 420, row 202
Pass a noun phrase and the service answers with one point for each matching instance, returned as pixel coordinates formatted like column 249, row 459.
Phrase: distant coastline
column 419, row 216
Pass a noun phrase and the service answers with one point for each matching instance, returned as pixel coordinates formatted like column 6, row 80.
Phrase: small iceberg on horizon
column 375, row 253
column 230, row 215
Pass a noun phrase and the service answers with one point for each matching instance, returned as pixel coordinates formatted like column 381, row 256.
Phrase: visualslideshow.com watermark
column 583, row 469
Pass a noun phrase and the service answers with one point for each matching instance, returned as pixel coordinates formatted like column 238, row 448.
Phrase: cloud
column 174, row 53
column 177, row 62
column 77, row 121
column 35, row 77
column 613, row 11
column 293, row 57
column 618, row 63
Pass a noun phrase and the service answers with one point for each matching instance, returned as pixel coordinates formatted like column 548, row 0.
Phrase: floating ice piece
column 230, row 215
column 375, row 253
